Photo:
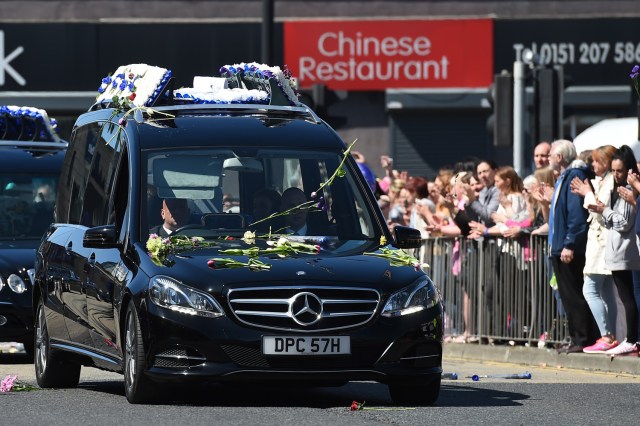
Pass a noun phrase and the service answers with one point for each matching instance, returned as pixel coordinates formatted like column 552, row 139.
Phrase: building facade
column 407, row 78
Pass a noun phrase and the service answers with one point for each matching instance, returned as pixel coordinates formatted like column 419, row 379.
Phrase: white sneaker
column 623, row 349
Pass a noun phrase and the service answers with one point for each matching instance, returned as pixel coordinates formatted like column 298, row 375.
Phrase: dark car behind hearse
column 31, row 155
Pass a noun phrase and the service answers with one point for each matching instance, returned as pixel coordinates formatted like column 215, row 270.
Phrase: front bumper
column 18, row 321
column 386, row 350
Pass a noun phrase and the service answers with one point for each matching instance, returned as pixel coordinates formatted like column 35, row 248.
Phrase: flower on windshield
column 159, row 249
column 282, row 247
column 398, row 257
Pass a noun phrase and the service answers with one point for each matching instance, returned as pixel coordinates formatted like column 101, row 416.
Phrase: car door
column 57, row 271
column 78, row 207
column 107, row 277
column 74, row 289
column 106, row 266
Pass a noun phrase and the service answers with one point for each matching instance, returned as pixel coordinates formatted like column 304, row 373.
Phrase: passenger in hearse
column 265, row 203
column 154, row 203
column 296, row 219
column 175, row 214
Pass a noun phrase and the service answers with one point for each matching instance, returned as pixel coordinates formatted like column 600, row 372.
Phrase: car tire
column 52, row 369
column 415, row 394
column 137, row 386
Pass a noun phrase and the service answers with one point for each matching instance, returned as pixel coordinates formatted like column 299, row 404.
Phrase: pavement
column 531, row 356
column 541, row 357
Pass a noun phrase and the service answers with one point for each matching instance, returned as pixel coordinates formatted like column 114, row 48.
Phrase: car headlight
column 414, row 298
column 16, row 284
column 171, row 294
column 1, row 283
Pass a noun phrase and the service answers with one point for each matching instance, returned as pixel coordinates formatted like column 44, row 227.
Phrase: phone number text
column 588, row 53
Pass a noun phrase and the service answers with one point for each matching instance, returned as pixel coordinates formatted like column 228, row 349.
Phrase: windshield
column 26, row 202
column 214, row 193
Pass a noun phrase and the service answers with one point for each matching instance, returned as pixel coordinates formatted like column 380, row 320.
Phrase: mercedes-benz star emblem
column 306, row 308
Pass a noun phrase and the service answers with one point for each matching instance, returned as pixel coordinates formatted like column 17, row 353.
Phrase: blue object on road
column 477, row 377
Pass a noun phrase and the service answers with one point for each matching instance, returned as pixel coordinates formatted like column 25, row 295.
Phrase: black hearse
column 31, row 155
column 231, row 294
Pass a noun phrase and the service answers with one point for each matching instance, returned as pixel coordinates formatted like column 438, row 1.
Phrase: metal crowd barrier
column 496, row 290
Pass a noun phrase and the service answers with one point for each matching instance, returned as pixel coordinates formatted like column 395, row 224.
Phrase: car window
column 104, row 163
column 26, row 202
column 84, row 146
column 219, row 191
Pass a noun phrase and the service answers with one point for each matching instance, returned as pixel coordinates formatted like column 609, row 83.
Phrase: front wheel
column 52, row 369
column 415, row 394
column 137, row 387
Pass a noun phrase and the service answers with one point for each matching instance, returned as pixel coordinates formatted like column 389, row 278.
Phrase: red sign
column 379, row 55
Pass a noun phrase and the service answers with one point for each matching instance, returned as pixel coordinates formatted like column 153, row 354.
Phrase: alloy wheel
column 130, row 351
column 41, row 342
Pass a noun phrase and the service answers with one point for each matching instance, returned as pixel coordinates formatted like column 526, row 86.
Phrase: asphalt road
column 551, row 396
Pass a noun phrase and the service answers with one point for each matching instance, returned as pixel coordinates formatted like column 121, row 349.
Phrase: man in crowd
column 567, row 240
column 487, row 202
column 541, row 155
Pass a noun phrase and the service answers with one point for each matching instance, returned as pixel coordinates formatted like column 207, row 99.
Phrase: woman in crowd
column 598, row 283
column 444, row 186
column 397, row 201
column 535, row 217
column 621, row 251
column 543, row 194
column 634, row 180
column 512, row 204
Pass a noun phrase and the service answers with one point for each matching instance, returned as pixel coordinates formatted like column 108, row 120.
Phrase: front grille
column 361, row 356
column 304, row 309
column 245, row 356
column 178, row 357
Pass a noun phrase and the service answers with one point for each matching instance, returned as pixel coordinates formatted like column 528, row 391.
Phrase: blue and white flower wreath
column 24, row 122
column 140, row 85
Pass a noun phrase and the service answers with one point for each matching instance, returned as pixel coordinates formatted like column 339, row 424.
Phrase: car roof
column 227, row 125
column 20, row 160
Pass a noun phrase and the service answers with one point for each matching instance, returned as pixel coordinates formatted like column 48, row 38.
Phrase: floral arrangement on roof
column 134, row 85
column 11, row 115
column 244, row 83
column 256, row 72
column 212, row 90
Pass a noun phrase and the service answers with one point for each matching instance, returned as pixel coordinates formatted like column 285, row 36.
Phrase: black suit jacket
column 159, row 230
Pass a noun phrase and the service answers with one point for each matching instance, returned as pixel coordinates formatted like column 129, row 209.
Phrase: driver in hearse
column 175, row 214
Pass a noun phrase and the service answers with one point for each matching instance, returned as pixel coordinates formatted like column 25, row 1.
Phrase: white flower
column 249, row 237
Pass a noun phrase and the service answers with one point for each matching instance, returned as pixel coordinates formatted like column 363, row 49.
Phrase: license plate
column 306, row 345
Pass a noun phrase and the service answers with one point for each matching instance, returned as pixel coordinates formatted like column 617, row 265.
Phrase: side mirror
column 407, row 238
column 104, row 236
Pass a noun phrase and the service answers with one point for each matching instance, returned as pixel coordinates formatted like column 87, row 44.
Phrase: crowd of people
column 586, row 205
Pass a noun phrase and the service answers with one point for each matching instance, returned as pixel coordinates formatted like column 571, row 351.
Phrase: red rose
column 355, row 406
column 132, row 96
column 211, row 264
column 131, row 76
